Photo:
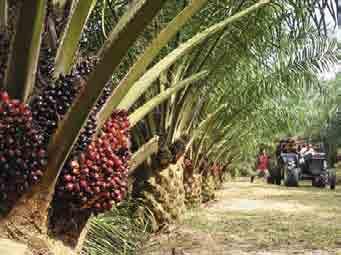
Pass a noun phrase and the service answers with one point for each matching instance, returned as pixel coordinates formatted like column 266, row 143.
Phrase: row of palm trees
column 217, row 73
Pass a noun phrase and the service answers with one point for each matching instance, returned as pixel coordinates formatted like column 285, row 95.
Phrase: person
column 310, row 151
column 262, row 169
column 306, row 155
column 303, row 150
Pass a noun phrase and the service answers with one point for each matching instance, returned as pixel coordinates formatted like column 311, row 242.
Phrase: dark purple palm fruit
column 97, row 177
column 84, row 68
column 86, row 135
column 45, row 67
column 89, row 129
column 22, row 154
column 104, row 96
column 53, row 102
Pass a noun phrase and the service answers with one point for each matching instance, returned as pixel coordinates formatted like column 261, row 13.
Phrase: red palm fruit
column 85, row 171
column 74, row 164
column 108, row 206
column 76, row 171
column 83, row 184
column 103, row 168
column 119, row 198
column 77, row 187
column 4, row 97
column 110, row 163
column 68, row 178
column 69, row 187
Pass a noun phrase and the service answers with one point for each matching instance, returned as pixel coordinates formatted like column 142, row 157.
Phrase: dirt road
column 257, row 219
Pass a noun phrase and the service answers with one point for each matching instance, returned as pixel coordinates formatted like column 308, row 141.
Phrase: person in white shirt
column 306, row 157
column 303, row 150
column 306, row 154
column 310, row 150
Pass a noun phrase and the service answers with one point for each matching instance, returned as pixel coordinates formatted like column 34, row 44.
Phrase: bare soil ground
column 257, row 219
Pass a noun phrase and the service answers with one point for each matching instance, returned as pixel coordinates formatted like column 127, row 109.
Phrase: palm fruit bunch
column 89, row 129
column 82, row 71
column 104, row 96
column 203, row 165
column 86, row 135
column 50, row 106
column 46, row 67
column 22, row 154
column 178, row 148
column 98, row 176
column 53, row 102
column 188, row 166
column 192, row 184
column 214, row 168
column 216, row 171
column 193, row 190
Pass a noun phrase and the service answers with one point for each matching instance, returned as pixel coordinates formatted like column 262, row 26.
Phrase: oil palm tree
column 42, row 30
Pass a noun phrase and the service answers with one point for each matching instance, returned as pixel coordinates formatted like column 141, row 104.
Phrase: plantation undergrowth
column 258, row 219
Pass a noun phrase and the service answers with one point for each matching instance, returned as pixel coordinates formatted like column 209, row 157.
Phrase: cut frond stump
column 164, row 194
column 208, row 188
column 193, row 190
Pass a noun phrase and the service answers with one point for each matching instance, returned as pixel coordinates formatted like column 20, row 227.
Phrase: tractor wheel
column 291, row 178
column 319, row 182
column 314, row 182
